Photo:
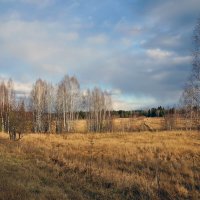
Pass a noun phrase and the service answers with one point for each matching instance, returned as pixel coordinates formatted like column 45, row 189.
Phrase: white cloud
column 116, row 92
column 126, row 42
column 160, row 76
column 19, row 87
column 48, row 48
column 127, row 28
column 22, row 88
column 171, row 41
column 68, row 36
column 158, row 53
column 182, row 59
column 100, row 39
column 133, row 102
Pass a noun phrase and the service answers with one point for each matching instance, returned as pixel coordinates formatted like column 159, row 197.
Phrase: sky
column 139, row 50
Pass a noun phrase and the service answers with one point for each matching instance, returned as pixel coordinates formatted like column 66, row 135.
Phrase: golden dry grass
column 164, row 165
column 135, row 124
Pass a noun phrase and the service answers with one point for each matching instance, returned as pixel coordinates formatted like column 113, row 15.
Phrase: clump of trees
column 13, row 113
column 98, row 106
column 54, row 108
column 67, row 103
column 156, row 112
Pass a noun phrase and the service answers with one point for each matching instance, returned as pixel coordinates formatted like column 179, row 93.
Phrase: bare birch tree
column 50, row 101
column 3, row 96
column 62, row 100
column 38, row 99
column 74, row 102
column 10, row 102
column 98, row 107
column 191, row 94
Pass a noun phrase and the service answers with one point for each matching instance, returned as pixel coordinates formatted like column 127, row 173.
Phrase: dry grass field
column 135, row 124
column 145, row 165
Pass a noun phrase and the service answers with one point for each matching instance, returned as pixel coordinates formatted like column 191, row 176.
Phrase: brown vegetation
column 139, row 124
column 162, row 165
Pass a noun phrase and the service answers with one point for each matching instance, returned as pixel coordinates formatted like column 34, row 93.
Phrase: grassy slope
column 163, row 165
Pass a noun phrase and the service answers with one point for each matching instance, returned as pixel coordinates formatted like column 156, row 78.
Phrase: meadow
column 137, row 165
column 136, row 124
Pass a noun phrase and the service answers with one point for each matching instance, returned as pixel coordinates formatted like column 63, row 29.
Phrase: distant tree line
column 152, row 112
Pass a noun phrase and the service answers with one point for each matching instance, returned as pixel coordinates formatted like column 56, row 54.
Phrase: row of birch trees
column 54, row 108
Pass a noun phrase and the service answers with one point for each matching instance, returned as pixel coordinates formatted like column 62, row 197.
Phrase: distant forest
column 152, row 112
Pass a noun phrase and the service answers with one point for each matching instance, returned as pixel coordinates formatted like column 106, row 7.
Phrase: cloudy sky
column 138, row 49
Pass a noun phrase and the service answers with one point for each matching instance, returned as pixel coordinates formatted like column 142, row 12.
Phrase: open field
column 135, row 124
column 145, row 165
